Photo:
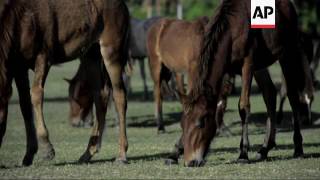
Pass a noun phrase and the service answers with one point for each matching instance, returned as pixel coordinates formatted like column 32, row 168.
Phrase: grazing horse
column 173, row 46
column 38, row 34
column 80, row 94
column 82, row 89
column 230, row 46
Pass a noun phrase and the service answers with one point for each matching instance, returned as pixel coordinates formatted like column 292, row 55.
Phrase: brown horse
column 80, row 94
column 82, row 89
column 59, row 31
column 173, row 47
column 229, row 45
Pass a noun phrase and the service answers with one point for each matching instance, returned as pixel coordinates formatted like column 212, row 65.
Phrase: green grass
column 147, row 149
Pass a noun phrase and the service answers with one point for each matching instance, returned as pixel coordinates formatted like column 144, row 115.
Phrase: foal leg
column 37, row 91
column 155, row 70
column 269, row 92
column 144, row 78
column 244, row 108
column 22, row 83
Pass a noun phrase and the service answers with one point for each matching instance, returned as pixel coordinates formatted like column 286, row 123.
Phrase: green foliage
column 195, row 8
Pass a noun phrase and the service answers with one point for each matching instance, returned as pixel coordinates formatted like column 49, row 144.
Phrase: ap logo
column 263, row 14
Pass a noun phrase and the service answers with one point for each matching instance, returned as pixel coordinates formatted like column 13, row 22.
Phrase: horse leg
column 22, row 83
column 155, row 70
column 315, row 62
column 114, row 65
column 158, row 102
column 226, row 90
column 4, row 101
column 87, row 115
column 101, row 98
column 244, row 108
column 269, row 92
column 291, row 66
column 41, row 71
column 3, row 119
column 283, row 96
column 144, row 78
column 180, row 83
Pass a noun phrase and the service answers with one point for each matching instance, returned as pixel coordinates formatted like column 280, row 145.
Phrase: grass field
column 147, row 149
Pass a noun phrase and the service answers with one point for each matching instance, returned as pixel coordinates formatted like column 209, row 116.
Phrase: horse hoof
column 49, row 154
column 170, row 162
column 85, row 158
column 298, row 154
column 161, row 130
column 27, row 160
column 261, row 157
column 122, row 161
column 243, row 158
column 263, row 153
column 243, row 161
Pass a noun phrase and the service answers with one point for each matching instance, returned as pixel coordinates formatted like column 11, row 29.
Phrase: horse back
column 176, row 42
column 138, row 40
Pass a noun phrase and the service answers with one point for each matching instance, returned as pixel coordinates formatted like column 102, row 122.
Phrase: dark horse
column 138, row 49
column 38, row 34
column 173, row 47
column 230, row 46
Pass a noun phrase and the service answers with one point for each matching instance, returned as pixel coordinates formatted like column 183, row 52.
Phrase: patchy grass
column 147, row 149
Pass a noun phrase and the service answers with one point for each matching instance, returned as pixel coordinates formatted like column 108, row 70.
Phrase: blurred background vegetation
column 309, row 10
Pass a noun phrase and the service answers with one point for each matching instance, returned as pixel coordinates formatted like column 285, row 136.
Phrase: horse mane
column 213, row 34
column 10, row 13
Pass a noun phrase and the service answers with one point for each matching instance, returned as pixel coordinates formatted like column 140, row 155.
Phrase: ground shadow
column 259, row 120
column 151, row 157
column 279, row 158
column 256, row 148
column 91, row 162
column 148, row 121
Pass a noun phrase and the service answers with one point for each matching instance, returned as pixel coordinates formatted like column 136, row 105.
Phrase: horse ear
column 67, row 80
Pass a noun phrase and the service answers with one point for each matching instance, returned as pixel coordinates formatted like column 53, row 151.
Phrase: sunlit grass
column 147, row 149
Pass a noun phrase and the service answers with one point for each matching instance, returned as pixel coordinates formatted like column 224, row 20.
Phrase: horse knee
column 36, row 95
